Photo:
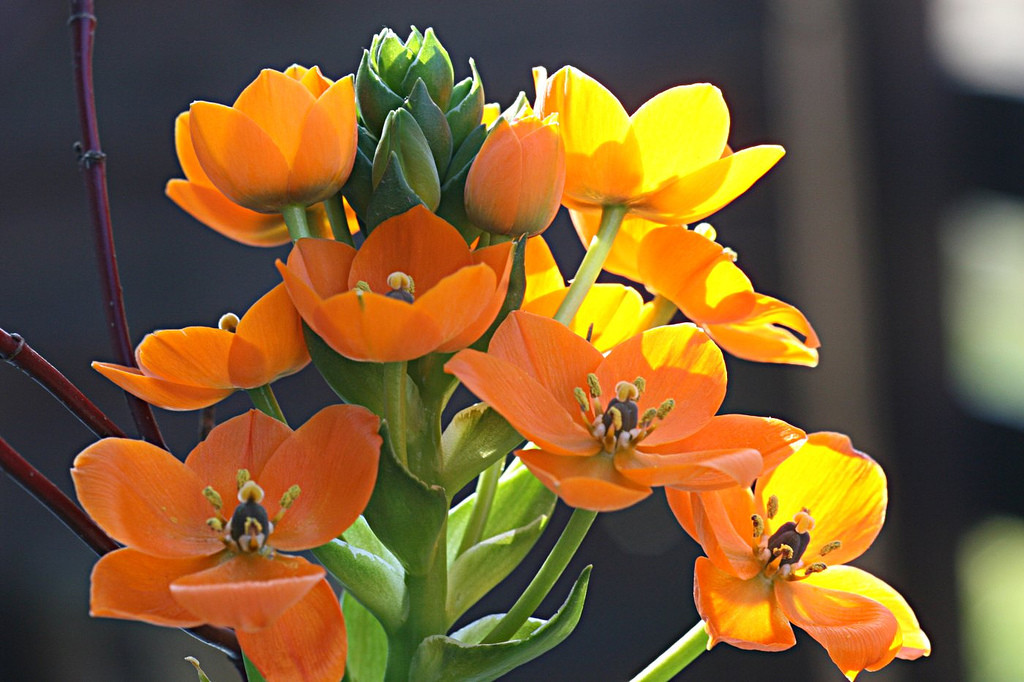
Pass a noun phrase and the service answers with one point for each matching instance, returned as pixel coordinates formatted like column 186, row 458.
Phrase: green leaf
column 393, row 196
column 374, row 99
column 467, row 106
column 367, row 643
column 368, row 571
column 475, row 632
column 359, row 187
column 433, row 65
column 475, row 438
column 405, row 143
column 404, row 512
column 433, row 124
column 359, row 383
column 252, row 673
column 441, row 658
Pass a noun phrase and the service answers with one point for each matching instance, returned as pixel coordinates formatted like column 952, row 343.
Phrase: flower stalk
column 590, row 268
column 676, row 657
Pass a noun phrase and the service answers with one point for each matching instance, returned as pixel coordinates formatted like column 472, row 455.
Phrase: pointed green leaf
column 359, row 383
column 393, row 196
column 374, row 99
column 467, row 106
column 474, row 439
column 367, row 643
column 359, row 186
column 440, row 658
column 433, row 123
column 252, row 673
column 433, row 65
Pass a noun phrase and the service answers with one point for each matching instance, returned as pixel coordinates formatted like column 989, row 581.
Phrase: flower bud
column 403, row 142
column 515, row 184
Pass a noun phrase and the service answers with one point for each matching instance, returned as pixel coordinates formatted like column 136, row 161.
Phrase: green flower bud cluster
column 419, row 131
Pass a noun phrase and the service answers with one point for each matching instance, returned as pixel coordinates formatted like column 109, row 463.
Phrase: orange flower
column 603, row 452
column 191, row 368
column 668, row 162
column 701, row 278
column 288, row 140
column 775, row 558
column 413, row 288
column 515, row 184
column 610, row 313
column 194, row 555
column 201, row 199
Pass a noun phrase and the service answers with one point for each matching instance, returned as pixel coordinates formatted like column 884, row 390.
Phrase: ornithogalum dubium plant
column 415, row 214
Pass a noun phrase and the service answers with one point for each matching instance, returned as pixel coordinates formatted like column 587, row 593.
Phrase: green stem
column 296, row 220
column 662, row 312
column 394, row 408
column 263, row 399
column 486, row 485
column 590, row 268
column 336, row 217
column 676, row 657
column 550, row 571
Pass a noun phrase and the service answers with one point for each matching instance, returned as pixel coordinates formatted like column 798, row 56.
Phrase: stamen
column 616, row 418
column 228, row 322
column 758, row 525
column 830, row 547
column 581, row 399
column 250, row 492
column 705, row 230
column 402, row 281
column 215, row 523
column 626, row 391
column 784, row 551
column 641, row 385
column 648, row 416
column 730, row 254
column 362, row 286
column 773, row 506
column 213, row 497
column 594, row 385
column 803, row 520
column 816, row 567
column 290, row 496
column 665, row 408
column 241, row 477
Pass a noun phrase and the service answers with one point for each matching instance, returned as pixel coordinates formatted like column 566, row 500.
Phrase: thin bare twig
column 92, row 162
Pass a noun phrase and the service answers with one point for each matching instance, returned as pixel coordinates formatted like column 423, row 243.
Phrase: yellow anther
column 250, row 492
column 773, row 506
column 361, row 286
column 250, row 524
column 665, row 408
column 648, row 416
column 241, row 477
column 594, row 385
column 830, row 547
column 758, row 525
column 289, row 496
column 228, row 322
column 581, row 398
column 804, row 521
column 784, row 551
column 215, row 523
column 213, row 497
column 816, row 567
column 706, row 230
column 641, row 384
column 402, row 281
column 616, row 420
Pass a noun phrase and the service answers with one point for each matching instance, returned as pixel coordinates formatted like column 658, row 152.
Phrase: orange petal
column 915, row 642
column 602, row 156
column 243, row 442
column 190, row 165
column 743, row 613
column 696, row 274
column 609, row 314
column 135, row 586
column 248, row 591
column 145, row 498
column 333, row 459
column 680, row 130
column 166, row 394
column 306, row 643
column 696, row 196
column 548, row 351
column 678, row 362
column 268, row 341
column 213, row 209
column 241, row 160
column 722, row 525
column 498, row 259
column 857, row 632
column 527, row 405
column 773, row 438
column 194, row 355
column 499, row 165
column 542, row 273
column 766, row 336
column 701, row 470
column 279, row 105
column 584, row 482
column 374, row 328
column 323, row 264
column 327, row 147
column 843, row 489
column 460, row 301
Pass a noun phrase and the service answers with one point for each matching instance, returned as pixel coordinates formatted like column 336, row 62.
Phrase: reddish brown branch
column 93, row 165
column 15, row 351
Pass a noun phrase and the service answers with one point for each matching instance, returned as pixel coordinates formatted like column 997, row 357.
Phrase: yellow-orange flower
column 668, row 162
column 515, row 184
column 203, row 538
column 288, row 140
column 603, row 452
column 775, row 557
column 191, row 368
column 413, row 288
column 701, row 278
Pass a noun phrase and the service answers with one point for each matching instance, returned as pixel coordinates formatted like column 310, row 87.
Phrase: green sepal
column 514, row 295
column 475, row 438
column 453, row 202
column 393, row 196
column 367, row 656
column 359, row 187
column 433, row 66
column 367, row 570
column 394, row 57
column 441, row 658
column 359, row 383
column 374, row 99
column 466, row 108
column 252, row 673
column 404, row 512
column 433, row 124
column 404, row 141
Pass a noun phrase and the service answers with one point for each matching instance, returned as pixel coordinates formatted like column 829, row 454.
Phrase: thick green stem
column 263, row 399
column 336, row 217
column 663, row 310
column 676, row 657
column 297, row 222
column 590, row 268
column 394, row 408
column 550, row 571
column 486, row 485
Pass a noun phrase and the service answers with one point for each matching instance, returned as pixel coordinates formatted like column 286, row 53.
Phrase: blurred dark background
column 896, row 222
